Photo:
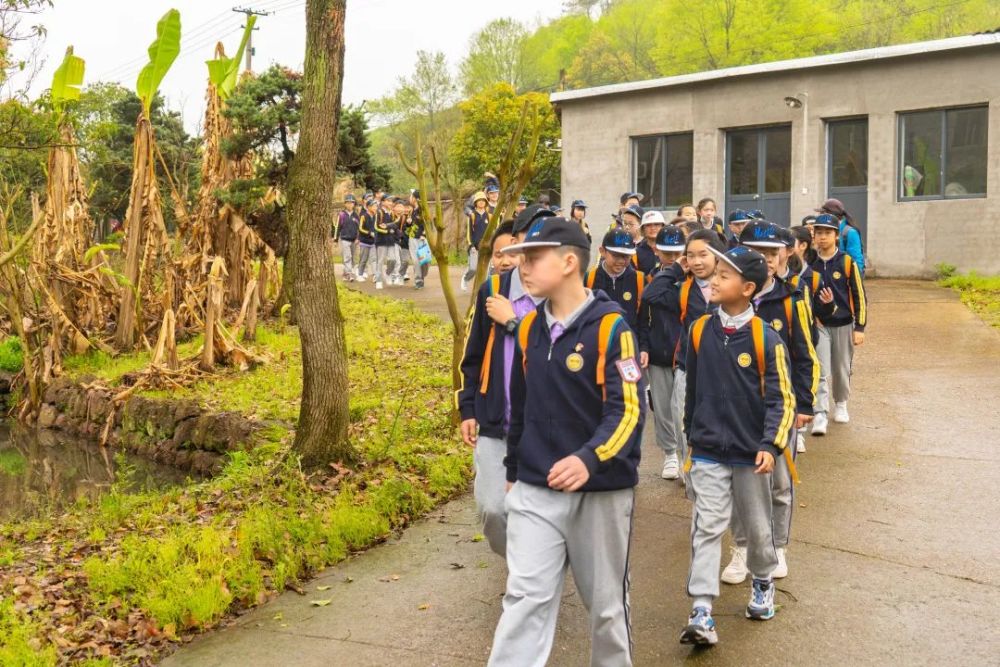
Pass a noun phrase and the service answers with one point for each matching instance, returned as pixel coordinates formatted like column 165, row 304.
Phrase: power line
column 249, row 11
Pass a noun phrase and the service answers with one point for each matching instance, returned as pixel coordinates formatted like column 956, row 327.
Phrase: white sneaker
column 800, row 443
column 840, row 413
column 378, row 285
column 781, row 571
column 465, row 285
column 736, row 572
column 819, row 424
column 671, row 468
column 363, row 277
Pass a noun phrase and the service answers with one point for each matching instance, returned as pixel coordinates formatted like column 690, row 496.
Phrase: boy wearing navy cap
column 477, row 220
column 366, row 238
column 786, row 310
column 734, row 436
column 736, row 222
column 645, row 247
column 615, row 275
column 578, row 212
column 522, row 203
column 577, row 403
column 345, row 234
column 659, row 331
column 842, row 331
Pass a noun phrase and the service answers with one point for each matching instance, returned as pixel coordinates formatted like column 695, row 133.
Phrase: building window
column 661, row 169
column 943, row 153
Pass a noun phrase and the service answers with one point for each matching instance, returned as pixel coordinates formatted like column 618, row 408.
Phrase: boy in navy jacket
column 616, row 276
column 659, row 331
column 366, row 238
column 784, row 308
column 577, row 403
column 484, row 397
column 345, row 234
column 738, row 412
column 842, row 331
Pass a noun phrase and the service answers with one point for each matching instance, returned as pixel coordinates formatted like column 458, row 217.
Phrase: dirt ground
column 895, row 554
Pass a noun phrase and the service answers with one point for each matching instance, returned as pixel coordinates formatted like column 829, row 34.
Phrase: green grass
column 10, row 355
column 189, row 556
column 111, row 368
column 980, row 293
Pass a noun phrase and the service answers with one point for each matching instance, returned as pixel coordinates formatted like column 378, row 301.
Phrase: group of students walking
column 734, row 337
column 390, row 226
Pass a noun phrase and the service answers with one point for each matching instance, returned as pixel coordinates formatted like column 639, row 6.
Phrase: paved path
column 895, row 557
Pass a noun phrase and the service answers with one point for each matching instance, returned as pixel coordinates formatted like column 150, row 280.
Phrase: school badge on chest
column 574, row 362
column 836, row 275
column 743, row 360
column 627, row 296
column 777, row 325
column 629, row 370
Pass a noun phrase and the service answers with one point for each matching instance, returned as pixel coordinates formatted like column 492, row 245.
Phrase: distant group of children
column 393, row 228
column 733, row 336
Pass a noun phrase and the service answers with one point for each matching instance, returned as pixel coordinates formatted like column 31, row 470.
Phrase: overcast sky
column 383, row 37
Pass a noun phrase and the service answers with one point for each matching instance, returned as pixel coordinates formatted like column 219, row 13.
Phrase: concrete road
column 895, row 557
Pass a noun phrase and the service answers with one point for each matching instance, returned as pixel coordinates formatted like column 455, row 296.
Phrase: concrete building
column 907, row 136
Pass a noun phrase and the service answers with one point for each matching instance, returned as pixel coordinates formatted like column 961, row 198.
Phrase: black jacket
column 626, row 290
column 386, row 228
column 785, row 309
column 692, row 306
column 475, row 227
column 841, row 274
column 564, row 401
column 366, row 230
column 346, row 227
column 660, row 316
column 646, row 259
column 726, row 417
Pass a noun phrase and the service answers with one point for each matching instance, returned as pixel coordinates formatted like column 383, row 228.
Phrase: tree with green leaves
column 321, row 434
column 496, row 55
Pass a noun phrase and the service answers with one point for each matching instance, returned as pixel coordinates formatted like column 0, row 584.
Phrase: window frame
column 661, row 137
column 901, row 148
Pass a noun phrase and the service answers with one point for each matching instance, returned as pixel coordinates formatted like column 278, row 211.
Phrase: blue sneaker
column 700, row 629
column 761, row 606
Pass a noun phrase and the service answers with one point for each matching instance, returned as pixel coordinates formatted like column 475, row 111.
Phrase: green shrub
column 11, row 359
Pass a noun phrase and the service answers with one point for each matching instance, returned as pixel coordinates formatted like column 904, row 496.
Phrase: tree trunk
column 321, row 435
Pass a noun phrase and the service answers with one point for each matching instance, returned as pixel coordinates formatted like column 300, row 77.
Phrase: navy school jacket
column 475, row 228
column 785, row 309
column 693, row 305
column 346, row 226
column 366, row 230
column 645, row 258
column 841, row 274
column 731, row 409
column 386, row 228
column 811, row 283
column 660, row 316
column 482, row 394
column 566, row 400
column 626, row 290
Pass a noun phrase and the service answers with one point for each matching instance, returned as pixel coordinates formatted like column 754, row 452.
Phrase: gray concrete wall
column 904, row 238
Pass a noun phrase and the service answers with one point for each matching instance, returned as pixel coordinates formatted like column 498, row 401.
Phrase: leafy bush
column 10, row 355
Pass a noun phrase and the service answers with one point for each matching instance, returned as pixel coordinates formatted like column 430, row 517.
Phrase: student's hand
column 568, row 474
column 858, row 337
column 499, row 309
column 801, row 420
column 644, row 359
column 469, row 429
column 826, row 295
column 765, row 463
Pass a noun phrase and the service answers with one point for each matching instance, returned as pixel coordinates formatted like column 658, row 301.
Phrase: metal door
column 759, row 171
column 847, row 168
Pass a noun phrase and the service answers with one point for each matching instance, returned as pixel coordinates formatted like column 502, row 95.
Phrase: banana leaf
column 162, row 53
column 67, row 80
column 224, row 72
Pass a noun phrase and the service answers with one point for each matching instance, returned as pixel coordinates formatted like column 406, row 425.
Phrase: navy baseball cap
column 619, row 242
column 786, row 237
column 552, row 232
column 629, row 195
column 756, row 214
column 523, row 200
column 578, row 203
column 635, row 210
column 739, row 215
column 670, row 239
column 525, row 218
column 349, row 197
column 809, row 219
column 826, row 220
column 748, row 263
column 761, row 234
column 492, row 187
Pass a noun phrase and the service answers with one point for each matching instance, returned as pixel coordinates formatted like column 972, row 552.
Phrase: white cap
column 652, row 218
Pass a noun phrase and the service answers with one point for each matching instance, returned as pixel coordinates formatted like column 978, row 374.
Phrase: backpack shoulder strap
column 788, row 314
column 640, row 285
column 591, row 277
column 605, row 334
column 685, row 295
column 848, row 262
column 523, row 331
column 696, row 330
column 494, row 284
column 757, row 331
column 815, row 282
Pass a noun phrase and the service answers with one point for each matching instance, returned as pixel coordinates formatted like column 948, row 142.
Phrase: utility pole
column 250, row 11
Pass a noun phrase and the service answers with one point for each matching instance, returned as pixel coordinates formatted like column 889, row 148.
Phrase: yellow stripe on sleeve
column 859, row 286
column 787, row 399
column 802, row 309
column 631, row 399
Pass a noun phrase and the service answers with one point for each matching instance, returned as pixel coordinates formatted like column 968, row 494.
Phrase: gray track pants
column 386, row 262
column 669, row 432
column 419, row 270
column 489, row 489
column 348, row 250
column 547, row 531
column 470, row 271
column 680, row 386
column 836, row 354
column 364, row 254
column 782, row 503
column 718, row 489
column 404, row 261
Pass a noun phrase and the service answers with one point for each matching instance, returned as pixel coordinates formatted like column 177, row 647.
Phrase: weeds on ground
column 980, row 293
